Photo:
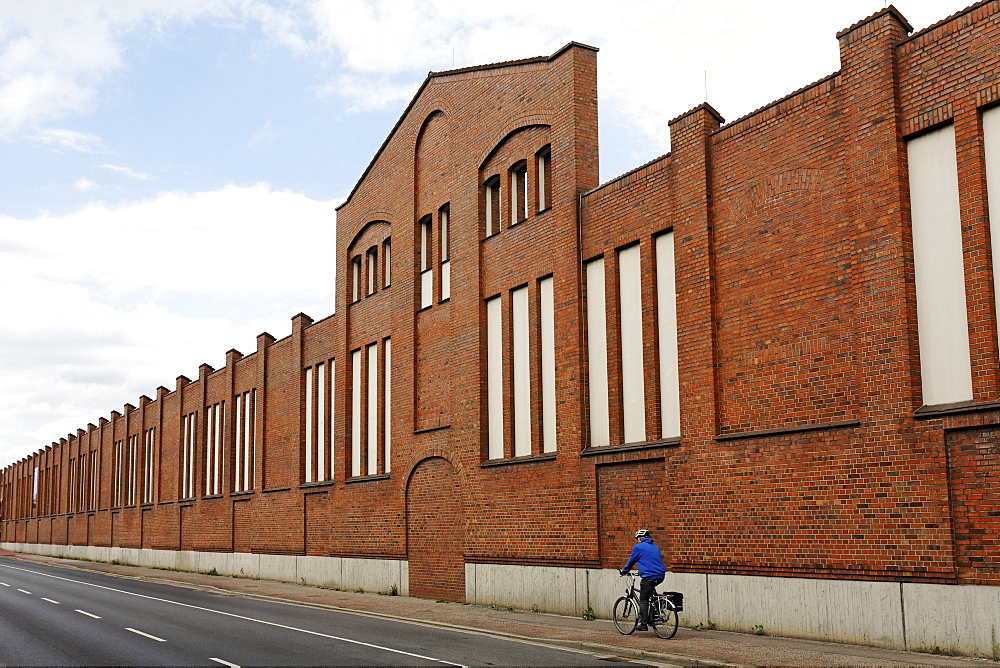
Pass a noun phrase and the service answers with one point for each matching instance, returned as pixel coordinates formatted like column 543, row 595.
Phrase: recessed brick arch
column 435, row 531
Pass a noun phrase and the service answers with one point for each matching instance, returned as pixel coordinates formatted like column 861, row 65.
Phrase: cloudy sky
column 160, row 158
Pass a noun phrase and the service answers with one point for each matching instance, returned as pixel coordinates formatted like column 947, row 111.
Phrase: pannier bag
column 676, row 598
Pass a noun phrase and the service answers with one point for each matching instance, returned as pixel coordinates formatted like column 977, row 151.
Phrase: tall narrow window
column 444, row 215
column 116, row 482
column 133, row 469
column 633, row 376
column 666, row 312
column 387, row 405
column 491, row 190
column 356, row 412
column 518, row 193
column 597, row 354
column 939, row 276
column 243, row 465
column 494, row 377
column 991, row 140
column 213, row 450
column 426, row 273
column 148, row 473
column 92, row 463
column 188, row 455
column 386, row 263
column 546, row 310
column 372, row 269
column 317, row 452
column 322, row 455
column 372, row 467
column 522, row 372
column 355, row 279
column 543, row 177
column 310, row 475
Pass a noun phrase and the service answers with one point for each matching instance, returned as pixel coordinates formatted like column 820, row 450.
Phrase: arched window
column 443, row 225
column 426, row 272
column 386, row 263
column 519, row 192
column 543, row 177
column 491, row 190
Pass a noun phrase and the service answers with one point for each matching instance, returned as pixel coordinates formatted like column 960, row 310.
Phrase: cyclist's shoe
column 642, row 627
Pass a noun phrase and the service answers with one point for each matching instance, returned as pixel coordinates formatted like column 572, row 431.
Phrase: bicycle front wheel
column 626, row 615
column 665, row 625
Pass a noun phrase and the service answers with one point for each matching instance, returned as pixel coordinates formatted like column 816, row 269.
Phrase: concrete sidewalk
column 688, row 647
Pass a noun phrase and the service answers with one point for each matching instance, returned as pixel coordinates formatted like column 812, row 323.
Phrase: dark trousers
column 646, row 588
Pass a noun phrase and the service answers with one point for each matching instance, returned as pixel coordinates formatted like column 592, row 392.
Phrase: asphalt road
column 59, row 616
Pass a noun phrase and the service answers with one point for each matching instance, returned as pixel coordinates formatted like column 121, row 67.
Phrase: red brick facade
column 805, row 449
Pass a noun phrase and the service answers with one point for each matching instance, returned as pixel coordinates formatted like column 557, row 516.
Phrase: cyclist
column 649, row 562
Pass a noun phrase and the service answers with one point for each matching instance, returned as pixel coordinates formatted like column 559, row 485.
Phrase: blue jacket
column 650, row 561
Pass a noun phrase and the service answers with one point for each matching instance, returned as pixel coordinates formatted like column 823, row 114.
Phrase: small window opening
column 544, row 178
column 492, row 205
column 355, row 278
column 372, row 266
column 386, row 263
column 518, row 193
column 443, row 224
column 426, row 274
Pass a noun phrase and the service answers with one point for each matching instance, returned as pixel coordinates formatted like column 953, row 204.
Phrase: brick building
column 775, row 346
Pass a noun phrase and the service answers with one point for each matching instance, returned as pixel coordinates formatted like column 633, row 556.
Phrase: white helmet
column 642, row 533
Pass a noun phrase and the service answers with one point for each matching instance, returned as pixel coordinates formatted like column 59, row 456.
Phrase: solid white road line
column 230, row 614
column 84, row 612
column 224, row 663
column 145, row 634
column 24, row 592
column 51, row 601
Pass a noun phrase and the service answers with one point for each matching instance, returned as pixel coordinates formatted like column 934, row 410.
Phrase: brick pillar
column 691, row 165
column 229, row 422
column 299, row 324
column 264, row 340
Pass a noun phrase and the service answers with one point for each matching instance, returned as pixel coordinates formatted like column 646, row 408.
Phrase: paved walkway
column 688, row 647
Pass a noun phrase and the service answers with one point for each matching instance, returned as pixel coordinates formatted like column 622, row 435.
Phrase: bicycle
column 663, row 609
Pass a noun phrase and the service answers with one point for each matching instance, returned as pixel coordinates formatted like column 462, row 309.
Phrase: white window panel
column 548, row 343
column 666, row 311
column 597, row 354
column 522, row 372
column 991, row 139
column 942, row 321
column 494, row 377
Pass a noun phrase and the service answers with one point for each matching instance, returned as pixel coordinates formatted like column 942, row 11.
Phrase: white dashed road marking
column 24, row 592
column 84, row 612
column 228, row 614
column 224, row 663
column 50, row 600
column 145, row 634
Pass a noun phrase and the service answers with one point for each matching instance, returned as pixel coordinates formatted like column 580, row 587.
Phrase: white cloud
column 105, row 304
column 266, row 135
column 655, row 54
column 81, row 142
column 85, row 185
column 127, row 171
column 55, row 54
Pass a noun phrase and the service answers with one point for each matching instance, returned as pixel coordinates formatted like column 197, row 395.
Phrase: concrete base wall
column 377, row 575
column 954, row 619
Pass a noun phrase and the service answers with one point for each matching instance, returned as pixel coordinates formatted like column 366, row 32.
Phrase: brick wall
column 805, row 449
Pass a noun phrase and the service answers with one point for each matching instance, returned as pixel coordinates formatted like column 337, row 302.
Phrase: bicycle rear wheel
column 665, row 621
column 625, row 615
